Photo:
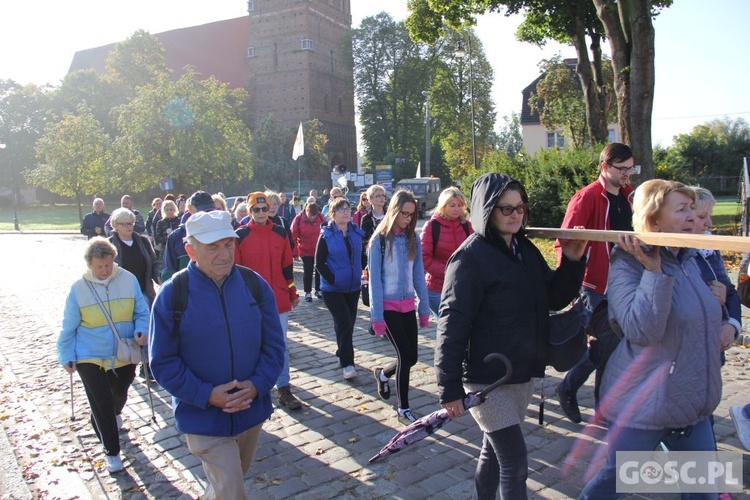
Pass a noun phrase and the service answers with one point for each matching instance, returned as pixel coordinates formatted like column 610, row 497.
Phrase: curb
column 12, row 484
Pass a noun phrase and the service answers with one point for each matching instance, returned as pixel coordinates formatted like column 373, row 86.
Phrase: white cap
column 209, row 227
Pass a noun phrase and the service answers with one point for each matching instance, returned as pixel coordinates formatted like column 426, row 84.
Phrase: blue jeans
column 579, row 374
column 434, row 298
column 699, row 437
column 502, row 462
column 283, row 379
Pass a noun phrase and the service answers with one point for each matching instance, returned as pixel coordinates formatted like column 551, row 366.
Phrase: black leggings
column 343, row 307
column 107, row 392
column 402, row 332
column 307, row 276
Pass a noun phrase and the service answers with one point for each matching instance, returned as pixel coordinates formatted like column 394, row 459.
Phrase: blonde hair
column 446, row 196
column 373, row 189
column 362, row 198
column 385, row 228
column 167, row 204
column 649, row 198
column 221, row 200
column 704, row 197
column 119, row 216
column 272, row 196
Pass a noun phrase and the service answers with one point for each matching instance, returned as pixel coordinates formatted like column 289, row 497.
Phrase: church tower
column 297, row 71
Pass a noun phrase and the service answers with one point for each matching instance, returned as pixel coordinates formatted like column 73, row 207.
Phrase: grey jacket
column 666, row 371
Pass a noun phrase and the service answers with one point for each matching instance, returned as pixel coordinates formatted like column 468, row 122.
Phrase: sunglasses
column 507, row 209
column 260, row 209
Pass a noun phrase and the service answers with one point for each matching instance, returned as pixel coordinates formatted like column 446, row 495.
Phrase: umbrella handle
column 496, row 356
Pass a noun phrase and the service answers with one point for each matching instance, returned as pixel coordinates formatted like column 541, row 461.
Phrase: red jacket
column 589, row 208
column 306, row 233
column 452, row 234
column 266, row 250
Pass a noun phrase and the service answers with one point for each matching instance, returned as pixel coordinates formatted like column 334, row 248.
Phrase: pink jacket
column 452, row 234
column 305, row 233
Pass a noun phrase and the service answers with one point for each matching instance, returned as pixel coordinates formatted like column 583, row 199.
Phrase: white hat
column 209, row 227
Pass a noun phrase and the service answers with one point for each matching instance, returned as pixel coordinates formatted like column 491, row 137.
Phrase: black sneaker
column 406, row 417
column 384, row 388
column 568, row 404
column 319, row 295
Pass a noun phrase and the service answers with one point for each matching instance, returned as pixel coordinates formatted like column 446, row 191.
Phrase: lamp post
column 427, row 134
column 460, row 52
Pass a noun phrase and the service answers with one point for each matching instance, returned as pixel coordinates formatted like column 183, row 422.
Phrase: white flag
column 419, row 170
column 299, row 144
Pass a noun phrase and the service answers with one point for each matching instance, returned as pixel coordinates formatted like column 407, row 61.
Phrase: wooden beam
column 682, row 240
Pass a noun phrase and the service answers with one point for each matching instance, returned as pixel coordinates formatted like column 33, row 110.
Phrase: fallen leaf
column 319, row 451
column 352, row 440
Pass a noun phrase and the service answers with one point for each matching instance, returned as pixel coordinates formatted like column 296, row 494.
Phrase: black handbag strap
column 104, row 310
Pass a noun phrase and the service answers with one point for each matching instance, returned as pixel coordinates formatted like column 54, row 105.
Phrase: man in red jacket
column 264, row 247
column 603, row 204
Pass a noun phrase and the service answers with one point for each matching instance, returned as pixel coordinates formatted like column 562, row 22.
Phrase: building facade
column 288, row 54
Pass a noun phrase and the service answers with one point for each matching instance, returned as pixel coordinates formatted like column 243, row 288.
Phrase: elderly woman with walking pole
column 104, row 312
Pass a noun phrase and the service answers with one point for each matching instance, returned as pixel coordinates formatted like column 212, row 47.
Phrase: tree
column 24, row 112
column 627, row 25
column 510, row 139
column 188, row 130
column 140, row 60
column 72, row 152
column 715, row 148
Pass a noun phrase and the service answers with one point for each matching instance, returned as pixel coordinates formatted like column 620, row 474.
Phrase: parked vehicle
column 426, row 190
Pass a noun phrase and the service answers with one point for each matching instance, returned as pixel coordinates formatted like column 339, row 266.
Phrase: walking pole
column 72, row 410
column 147, row 372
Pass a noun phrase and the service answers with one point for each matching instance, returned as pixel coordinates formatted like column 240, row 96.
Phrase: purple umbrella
column 429, row 424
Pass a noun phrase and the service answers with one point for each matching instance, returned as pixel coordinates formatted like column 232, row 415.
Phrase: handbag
column 365, row 294
column 128, row 350
column 567, row 338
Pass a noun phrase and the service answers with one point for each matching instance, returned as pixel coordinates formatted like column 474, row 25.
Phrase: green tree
column 510, row 138
column 24, row 112
column 140, row 60
column 625, row 23
column 715, row 148
column 272, row 154
column 189, row 130
column 72, row 152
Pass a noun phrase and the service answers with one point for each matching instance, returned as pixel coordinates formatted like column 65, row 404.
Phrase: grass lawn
column 37, row 217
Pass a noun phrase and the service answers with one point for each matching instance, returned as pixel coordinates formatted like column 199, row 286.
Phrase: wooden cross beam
column 707, row 241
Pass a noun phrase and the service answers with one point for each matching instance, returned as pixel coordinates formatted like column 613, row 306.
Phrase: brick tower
column 297, row 70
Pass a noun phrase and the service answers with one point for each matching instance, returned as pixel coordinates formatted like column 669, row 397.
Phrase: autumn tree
column 72, row 153
column 188, row 130
column 584, row 24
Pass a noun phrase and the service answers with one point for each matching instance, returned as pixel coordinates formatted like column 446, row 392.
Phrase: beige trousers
column 225, row 460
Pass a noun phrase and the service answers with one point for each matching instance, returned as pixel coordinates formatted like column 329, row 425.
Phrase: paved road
column 319, row 452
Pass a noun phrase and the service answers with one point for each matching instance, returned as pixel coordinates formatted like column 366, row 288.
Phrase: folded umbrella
column 429, row 424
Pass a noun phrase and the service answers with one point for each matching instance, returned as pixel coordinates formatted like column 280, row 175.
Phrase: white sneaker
column 119, row 422
column 114, row 464
column 349, row 372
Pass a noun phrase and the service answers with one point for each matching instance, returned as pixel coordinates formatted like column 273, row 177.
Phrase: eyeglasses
column 407, row 215
column 635, row 169
column 508, row 210
column 126, row 224
column 344, row 211
column 260, row 209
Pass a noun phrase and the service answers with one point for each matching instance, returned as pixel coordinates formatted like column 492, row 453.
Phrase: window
column 611, row 135
column 250, row 5
column 250, row 52
column 307, row 44
column 555, row 140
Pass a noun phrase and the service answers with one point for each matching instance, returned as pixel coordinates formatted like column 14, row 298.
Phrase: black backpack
column 436, row 232
column 180, row 292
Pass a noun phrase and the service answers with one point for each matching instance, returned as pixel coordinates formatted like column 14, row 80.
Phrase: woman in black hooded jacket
column 497, row 295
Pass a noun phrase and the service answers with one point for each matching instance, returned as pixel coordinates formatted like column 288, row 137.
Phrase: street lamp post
column 461, row 53
column 427, row 134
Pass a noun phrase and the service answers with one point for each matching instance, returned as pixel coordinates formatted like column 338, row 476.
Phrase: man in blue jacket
column 221, row 361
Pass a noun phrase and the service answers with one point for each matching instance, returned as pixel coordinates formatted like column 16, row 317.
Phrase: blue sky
column 702, row 69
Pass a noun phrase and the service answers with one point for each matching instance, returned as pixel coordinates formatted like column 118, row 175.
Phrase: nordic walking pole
column 147, row 372
column 72, row 410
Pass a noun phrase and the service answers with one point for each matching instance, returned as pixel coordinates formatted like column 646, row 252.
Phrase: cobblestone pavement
column 321, row 451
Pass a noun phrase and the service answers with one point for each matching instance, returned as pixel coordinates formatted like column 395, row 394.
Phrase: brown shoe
column 287, row 399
